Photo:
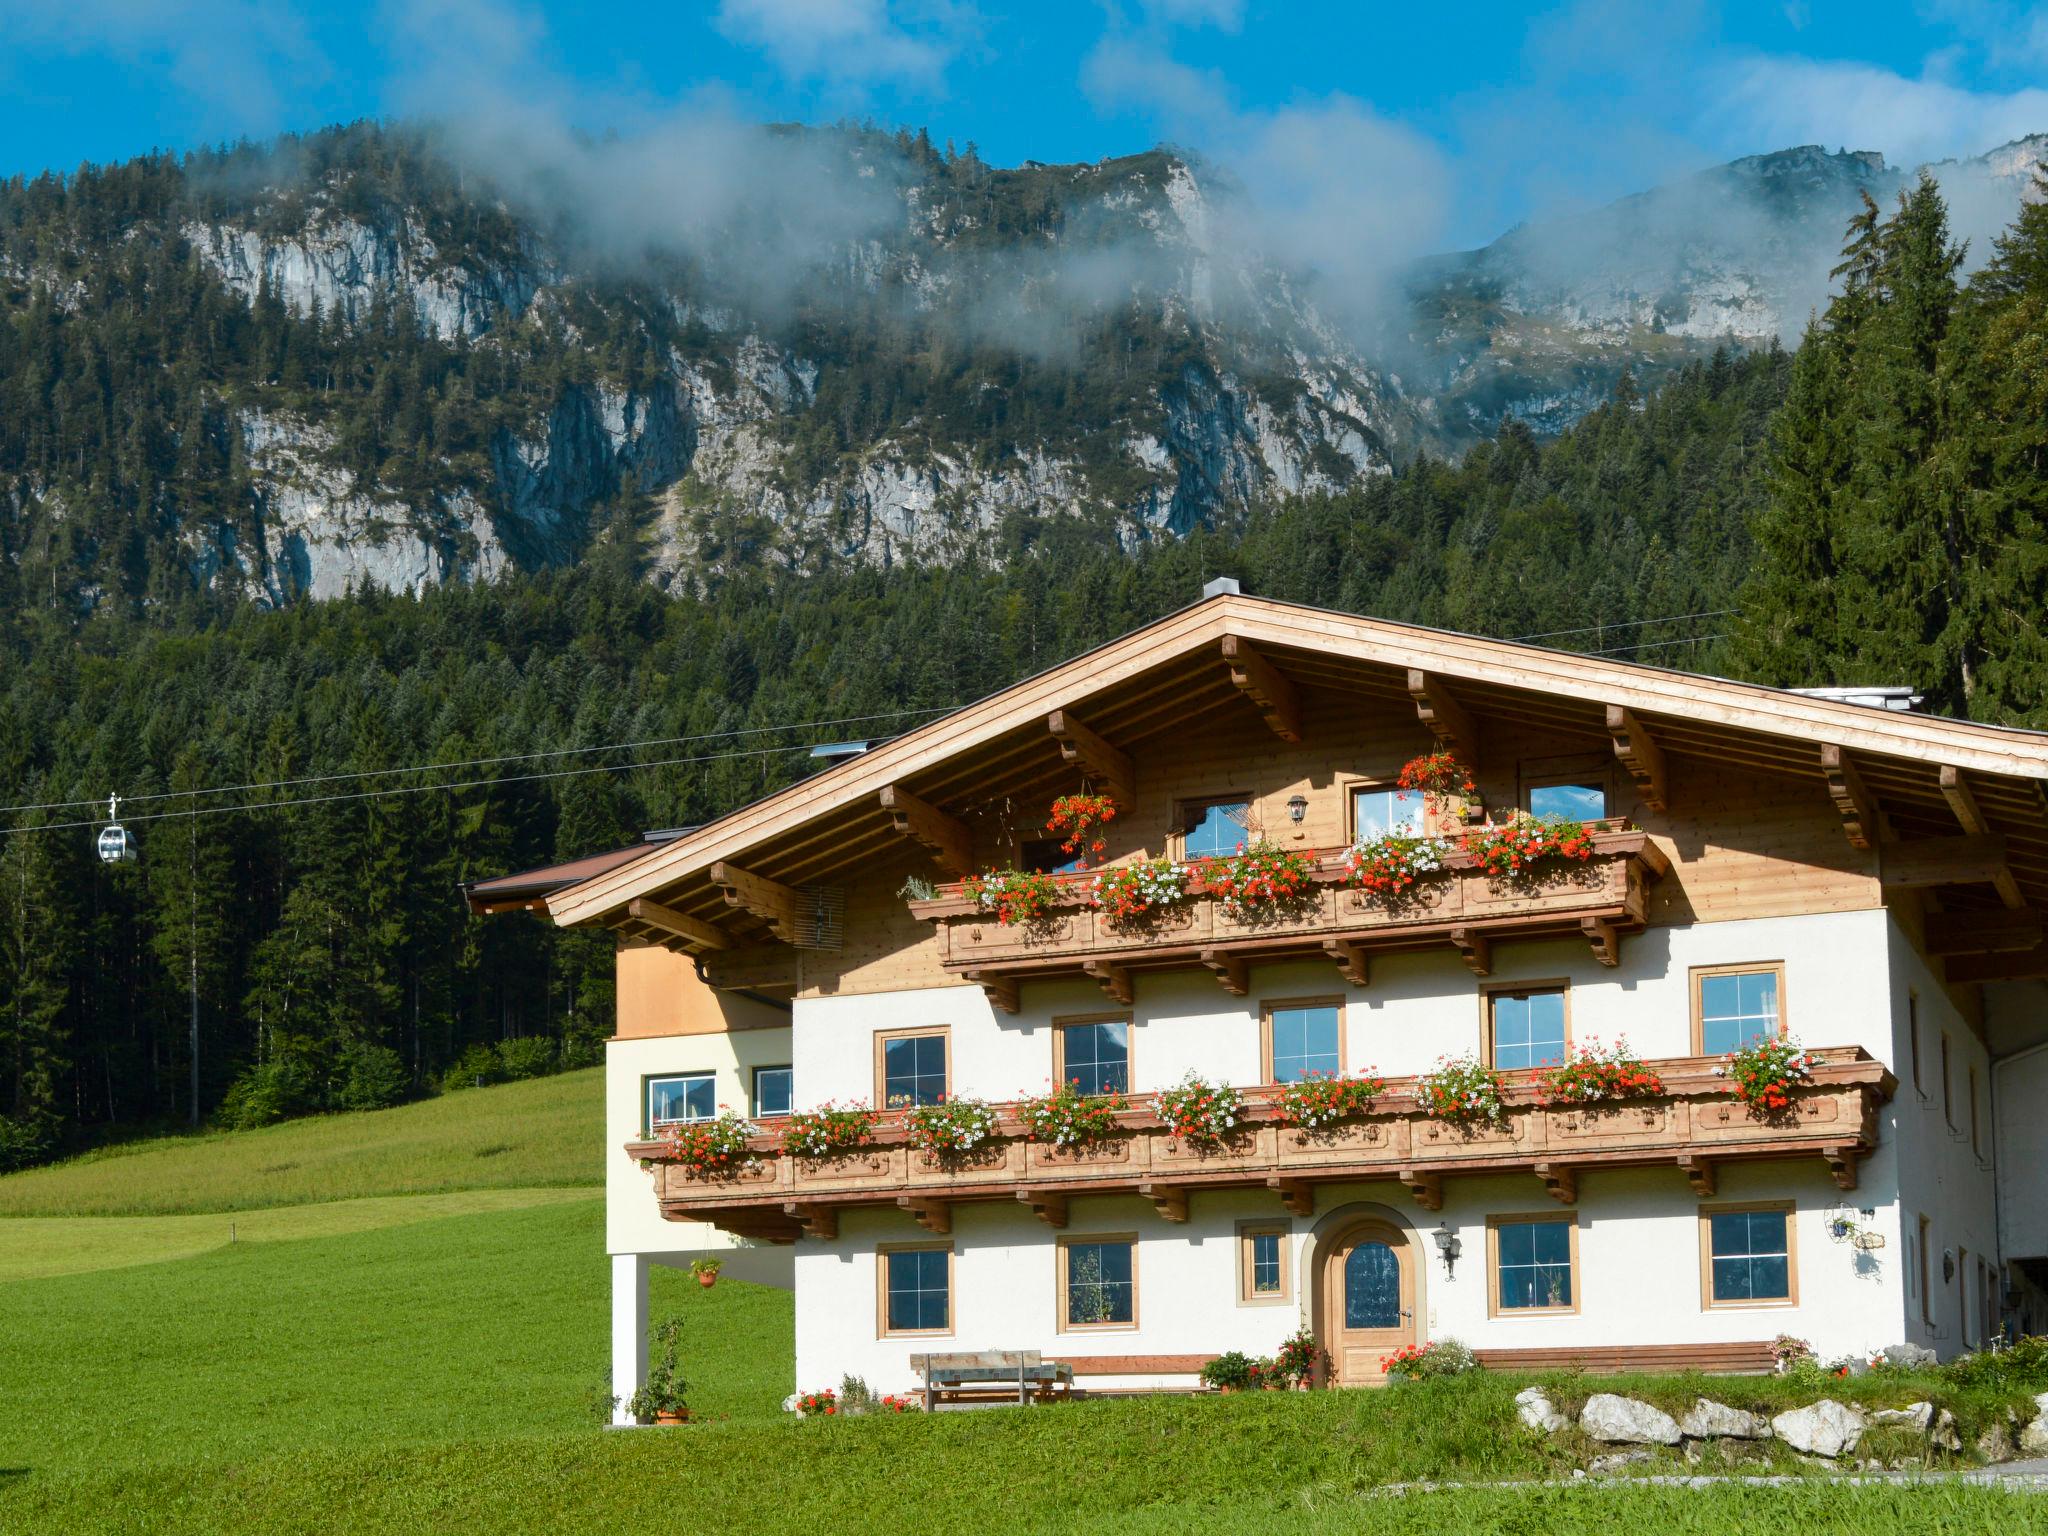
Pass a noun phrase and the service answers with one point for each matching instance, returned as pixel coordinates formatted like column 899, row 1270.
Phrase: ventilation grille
column 820, row 917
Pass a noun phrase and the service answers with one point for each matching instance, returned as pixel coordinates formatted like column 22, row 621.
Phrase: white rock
column 2034, row 1438
column 1601, row 1466
column 1944, row 1436
column 1826, row 1428
column 1623, row 1420
column 1709, row 1420
column 1918, row 1415
column 1909, row 1355
column 1995, row 1444
column 1537, row 1411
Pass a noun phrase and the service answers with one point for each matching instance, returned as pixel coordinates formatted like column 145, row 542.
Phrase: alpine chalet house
column 1655, row 1016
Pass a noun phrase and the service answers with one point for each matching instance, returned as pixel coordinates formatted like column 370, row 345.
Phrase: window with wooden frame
column 1525, row 1024
column 1265, row 1263
column 911, row 1067
column 678, row 1098
column 1948, row 1103
column 1378, row 810
column 1913, row 1041
column 1098, row 1282
column 772, row 1086
column 913, row 1289
column 1532, row 1264
column 1921, row 1268
column 1213, row 828
column 1093, row 1052
column 1734, row 1006
column 1575, row 788
column 1301, row 1035
column 1749, row 1255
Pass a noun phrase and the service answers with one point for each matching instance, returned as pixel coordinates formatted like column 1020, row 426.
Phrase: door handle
column 1407, row 1314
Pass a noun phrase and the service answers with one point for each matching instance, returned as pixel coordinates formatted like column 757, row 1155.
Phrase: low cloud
column 847, row 42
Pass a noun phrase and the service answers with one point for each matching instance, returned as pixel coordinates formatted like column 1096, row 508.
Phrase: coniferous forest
column 1868, row 507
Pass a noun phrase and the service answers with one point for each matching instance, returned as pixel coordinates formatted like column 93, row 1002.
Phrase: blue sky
column 1462, row 120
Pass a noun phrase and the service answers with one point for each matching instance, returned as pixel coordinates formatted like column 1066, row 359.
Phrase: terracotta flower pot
column 675, row 1416
column 707, row 1280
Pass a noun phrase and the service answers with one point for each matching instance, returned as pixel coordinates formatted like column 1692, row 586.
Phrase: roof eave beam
column 1444, row 716
column 951, row 844
column 1854, row 802
column 1640, row 756
column 694, row 930
column 1266, row 686
column 770, row 900
column 1955, row 789
column 1100, row 760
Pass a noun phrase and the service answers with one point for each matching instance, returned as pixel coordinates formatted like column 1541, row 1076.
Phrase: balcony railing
column 1599, row 899
column 1693, row 1126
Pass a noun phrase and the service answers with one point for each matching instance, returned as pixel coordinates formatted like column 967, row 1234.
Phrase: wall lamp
column 1448, row 1246
column 1297, row 807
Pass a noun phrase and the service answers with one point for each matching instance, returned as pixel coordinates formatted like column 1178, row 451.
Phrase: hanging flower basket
column 1076, row 820
column 1015, row 896
column 1591, row 1075
column 1261, row 881
column 1390, row 865
column 1128, row 893
column 1517, row 845
column 1438, row 774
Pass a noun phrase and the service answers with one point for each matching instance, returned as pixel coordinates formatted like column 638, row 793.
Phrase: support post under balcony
column 1699, row 1173
column 1115, row 980
column 932, row 1215
column 1559, row 1181
column 1001, row 990
column 1354, row 961
column 1048, row 1205
column 1601, row 933
column 1170, row 1200
column 1231, row 972
column 1425, row 1186
column 816, row 1220
column 1298, row 1195
column 1842, row 1162
column 1476, row 948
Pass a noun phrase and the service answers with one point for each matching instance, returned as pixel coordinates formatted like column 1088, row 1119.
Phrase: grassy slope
column 546, row 1132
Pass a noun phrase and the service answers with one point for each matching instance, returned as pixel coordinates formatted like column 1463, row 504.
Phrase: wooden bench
column 1748, row 1358
column 991, row 1373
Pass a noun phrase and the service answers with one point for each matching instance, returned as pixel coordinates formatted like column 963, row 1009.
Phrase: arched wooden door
column 1368, row 1301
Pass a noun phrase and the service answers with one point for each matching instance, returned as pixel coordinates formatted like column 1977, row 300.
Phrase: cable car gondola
column 115, row 844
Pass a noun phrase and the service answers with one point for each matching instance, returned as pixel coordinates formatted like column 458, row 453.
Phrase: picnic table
column 988, row 1372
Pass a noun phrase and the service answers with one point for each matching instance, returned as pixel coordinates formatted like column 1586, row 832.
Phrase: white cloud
column 1773, row 101
column 847, row 42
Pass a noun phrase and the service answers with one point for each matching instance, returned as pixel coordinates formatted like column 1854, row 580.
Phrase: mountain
column 378, row 355
column 1539, row 325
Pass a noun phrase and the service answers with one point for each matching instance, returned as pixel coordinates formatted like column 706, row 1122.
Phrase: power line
column 1595, row 629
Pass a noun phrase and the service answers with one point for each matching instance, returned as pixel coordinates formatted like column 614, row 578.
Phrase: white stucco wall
column 2016, row 1014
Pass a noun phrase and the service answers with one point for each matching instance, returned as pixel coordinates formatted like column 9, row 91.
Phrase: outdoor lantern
column 1448, row 1245
column 1297, row 807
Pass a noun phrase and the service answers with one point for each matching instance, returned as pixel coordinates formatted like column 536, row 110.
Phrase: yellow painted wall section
column 660, row 993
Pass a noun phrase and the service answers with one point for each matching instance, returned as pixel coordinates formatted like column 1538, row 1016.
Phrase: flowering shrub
column 1128, row 891
column 1390, row 864
column 819, row 1404
column 1590, row 1074
column 1197, row 1111
column 828, row 1128
column 1464, row 1092
column 1014, row 895
column 1067, row 1117
column 1512, row 847
column 951, row 1125
column 1439, row 1357
column 1265, row 1375
column 1322, row 1098
column 1260, row 880
column 1439, row 774
column 1230, row 1371
column 1763, row 1073
column 1074, row 818
column 1298, row 1358
column 890, row 1402
column 1788, row 1351
column 711, row 1147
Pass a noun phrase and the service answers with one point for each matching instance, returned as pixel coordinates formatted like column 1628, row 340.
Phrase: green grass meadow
column 417, row 1356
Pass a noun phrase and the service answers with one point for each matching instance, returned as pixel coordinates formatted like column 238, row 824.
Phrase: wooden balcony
column 1692, row 1128
column 1599, row 899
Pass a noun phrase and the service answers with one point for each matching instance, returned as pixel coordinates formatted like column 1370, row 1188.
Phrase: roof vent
column 1222, row 586
column 1898, row 698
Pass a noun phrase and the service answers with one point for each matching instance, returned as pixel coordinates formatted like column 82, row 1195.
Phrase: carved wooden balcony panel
column 1691, row 1128
column 1599, row 899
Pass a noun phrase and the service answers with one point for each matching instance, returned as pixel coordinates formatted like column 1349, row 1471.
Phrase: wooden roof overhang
column 1948, row 803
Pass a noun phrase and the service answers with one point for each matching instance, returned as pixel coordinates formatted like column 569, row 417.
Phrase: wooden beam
column 1001, row 990
column 1231, row 971
column 1842, row 1163
column 1853, row 801
column 932, row 1215
column 681, row 924
column 1426, row 1187
column 1170, row 1200
column 1049, row 1206
column 1561, row 1182
column 816, row 1220
column 1298, row 1195
column 1601, row 934
column 1963, row 801
column 951, row 844
column 1640, row 757
column 1098, row 758
column 2028, row 965
column 1114, row 979
column 1263, row 683
column 770, row 900
column 1982, row 933
column 1476, row 948
column 1445, row 716
column 1354, row 961
column 1699, row 1173
column 1933, row 861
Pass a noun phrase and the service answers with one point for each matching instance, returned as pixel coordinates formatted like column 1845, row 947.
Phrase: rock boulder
column 1825, row 1428
column 1536, row 1410
column 1709, row 1420
column 1624, row 1421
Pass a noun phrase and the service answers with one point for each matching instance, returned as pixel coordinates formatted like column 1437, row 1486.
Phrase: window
column 1913, row 1040
column 1094, row 1054
column 1734, row 1006
column 1575, row 801
column 1532, row 1259
column 1920, row 1269
column 670, row 1099
column 1214, row 828
column 910, row 1068
column 1376, row 812
column 771, row 1091
column 1262, row 1262
column 1047, row 857
column 1526, row 1027
column 917, row 1288
column 1948, row 1107
column 1098, row 1282
column 1302, row 1037
column 1747, row 1253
